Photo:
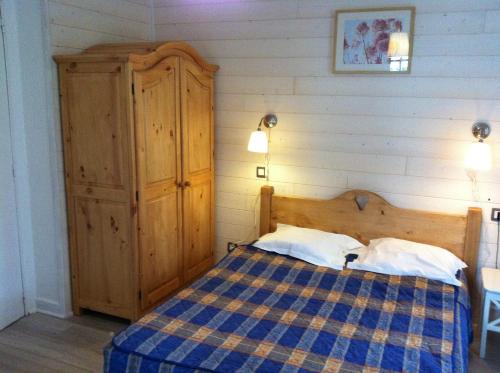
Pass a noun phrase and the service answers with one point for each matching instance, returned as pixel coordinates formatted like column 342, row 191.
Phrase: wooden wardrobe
column 138, row 139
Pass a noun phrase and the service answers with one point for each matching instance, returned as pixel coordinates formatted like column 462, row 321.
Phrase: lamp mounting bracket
column 269, row 121
column 481, row 130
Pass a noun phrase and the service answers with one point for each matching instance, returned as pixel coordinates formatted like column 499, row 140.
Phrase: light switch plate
column 261, row 172
column 495, row 214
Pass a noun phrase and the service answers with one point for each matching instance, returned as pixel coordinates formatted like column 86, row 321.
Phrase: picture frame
column 373, row 40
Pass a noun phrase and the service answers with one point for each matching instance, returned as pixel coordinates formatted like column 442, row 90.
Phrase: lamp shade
column 258, row 142
column 399, row 45
column 478, row 157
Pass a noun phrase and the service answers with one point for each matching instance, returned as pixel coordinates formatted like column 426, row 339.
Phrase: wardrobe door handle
column 183, row 185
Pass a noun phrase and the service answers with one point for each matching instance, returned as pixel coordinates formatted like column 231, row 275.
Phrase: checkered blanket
column 262, row 312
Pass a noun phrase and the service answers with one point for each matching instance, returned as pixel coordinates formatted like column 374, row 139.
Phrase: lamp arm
column 259, row 127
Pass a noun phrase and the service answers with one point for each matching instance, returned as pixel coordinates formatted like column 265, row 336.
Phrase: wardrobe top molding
column 141, row 55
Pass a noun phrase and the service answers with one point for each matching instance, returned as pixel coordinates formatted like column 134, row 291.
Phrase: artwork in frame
column 373, row 40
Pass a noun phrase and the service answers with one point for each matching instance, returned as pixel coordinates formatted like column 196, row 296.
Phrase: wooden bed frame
column 365, row 215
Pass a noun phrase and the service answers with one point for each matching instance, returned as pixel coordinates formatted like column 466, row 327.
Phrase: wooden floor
column 40, row 343
column 491, row 362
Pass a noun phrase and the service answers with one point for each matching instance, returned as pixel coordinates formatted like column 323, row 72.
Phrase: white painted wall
column 401, row 136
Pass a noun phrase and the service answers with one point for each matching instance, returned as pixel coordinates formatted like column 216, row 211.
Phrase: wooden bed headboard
column 365, row 215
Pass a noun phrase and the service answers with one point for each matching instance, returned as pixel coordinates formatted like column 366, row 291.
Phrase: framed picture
column 373, row 40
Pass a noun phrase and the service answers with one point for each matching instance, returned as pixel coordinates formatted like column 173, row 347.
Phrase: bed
column 263, row 312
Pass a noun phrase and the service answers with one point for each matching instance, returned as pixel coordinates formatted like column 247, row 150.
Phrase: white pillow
column 311, row 245
column 393, row 256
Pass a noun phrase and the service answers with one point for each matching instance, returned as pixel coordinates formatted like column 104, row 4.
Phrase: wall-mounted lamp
column 478, row 155
column 259, row 143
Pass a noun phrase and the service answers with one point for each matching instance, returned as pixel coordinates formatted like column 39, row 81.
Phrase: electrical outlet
column 261, row 172
column 495, row 214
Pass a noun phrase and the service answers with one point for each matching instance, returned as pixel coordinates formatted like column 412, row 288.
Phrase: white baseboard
column 49, row 307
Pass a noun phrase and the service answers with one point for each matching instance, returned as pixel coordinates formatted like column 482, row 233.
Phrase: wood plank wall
column 403, row 137
column 78, row 24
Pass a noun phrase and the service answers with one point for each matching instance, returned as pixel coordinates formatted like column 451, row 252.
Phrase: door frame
column 17, row 112
column 12, row 179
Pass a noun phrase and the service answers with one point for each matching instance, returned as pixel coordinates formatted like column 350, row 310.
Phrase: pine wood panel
column 198, row 174
column 102, row 234
column 96, row 110
column 198, row 129
column 471, row 253
column 198, row 235
column 159, row 171
column 161, row 249
column 128, row 48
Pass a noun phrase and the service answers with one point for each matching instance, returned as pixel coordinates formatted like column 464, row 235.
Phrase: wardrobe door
column 97, row 174
column 157, row 116
column 198, row 166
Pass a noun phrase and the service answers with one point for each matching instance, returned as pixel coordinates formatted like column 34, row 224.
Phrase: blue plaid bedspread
column 263, row 312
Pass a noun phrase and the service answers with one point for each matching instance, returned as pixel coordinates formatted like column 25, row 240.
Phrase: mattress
column 263, row 312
